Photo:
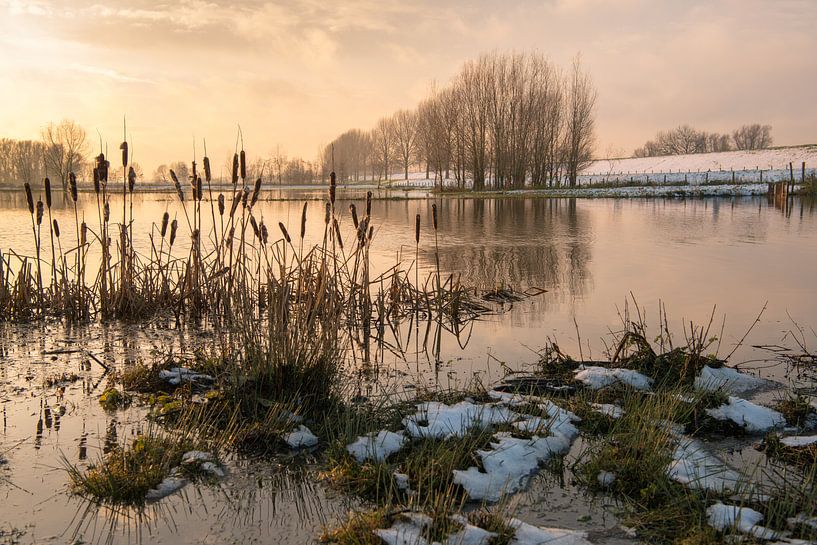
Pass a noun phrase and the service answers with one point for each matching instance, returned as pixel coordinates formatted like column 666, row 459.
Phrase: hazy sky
column 296, row 73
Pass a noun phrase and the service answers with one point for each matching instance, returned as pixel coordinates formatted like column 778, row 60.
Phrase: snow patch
column 693, row 466
column 527, row 534
column 440, row 421
column 301, row 437
column 799, row 440
column 601, row 377
column 165, row 488
column 732, row 380
column 606, row 478
column 607, row 409
column 754, row 418
column 176, row 375
column 376, row 447
column 745, row 520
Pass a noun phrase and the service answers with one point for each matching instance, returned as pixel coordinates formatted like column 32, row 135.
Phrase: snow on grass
column 376, row 447
column 600, row 377
column 695, row 467
column 301, row 437
column 724, row 517
column 803, row 519
column 165, row 488
column 436, row 420
column 732, row 380
column 608, row 409
column 512, row 460
column 754, row 418
column 799, row 440
column 527, row 534
column 605, row 478
column 176, row 375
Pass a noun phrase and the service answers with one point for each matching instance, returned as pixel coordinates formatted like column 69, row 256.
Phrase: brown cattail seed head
column 255, row 227
column 332, row 194
column 29, row 198
column 264, row 233
column 83, row 233
column 174, row 225
column 236, row 200
column 56, row 228
column 235, row 169
column 39, row 212
column 337, row 233
column 303, row 221
column 368, row 203
column 221, row 204
column 48, row 192
column 194, row 175
column 199, row 188
column 124, row 147
column 106, row 212
column 332, row 178
column 243, row 162
column 96, row 180
column 417, row 229
column 165, row 220
column 207, row 172
column 284, row 231
column 434, row 215
column 256, row 192
column 371, row 232
column 102, row 167
column 328, row 214
column 131, row 179
column 353, row 210
column 72, row 184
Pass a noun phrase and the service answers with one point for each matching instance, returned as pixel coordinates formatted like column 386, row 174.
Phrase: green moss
column 112, row 399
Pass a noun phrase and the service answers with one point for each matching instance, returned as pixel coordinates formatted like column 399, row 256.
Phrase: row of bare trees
column 505, row 121
column 685, row 140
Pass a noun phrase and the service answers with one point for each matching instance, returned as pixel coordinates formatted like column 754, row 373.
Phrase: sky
column 296, row 73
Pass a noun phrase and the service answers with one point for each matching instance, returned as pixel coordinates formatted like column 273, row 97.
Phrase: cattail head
column 368, row 203
column 264, row 233
column 39, row 212
column 245, row 193
column 194, row 175
column 48, row 192
column 195, row 237
column 371, row 232
column 96, row 180
column 235, row 169
column 353, row 210
column 243, row 164
column 199, row 188
column 236, row 200
column 102, row 166
column 56, row 228
column 285, row 232
column 256, row 192
column 361, row 231
column 417, row 229
column 328, row 214
column 29, row 198
column 303, row 221
column 72, row 185
column 231, row 236
column 83, row 233
column 124, row 147
column 434, row 215
column 207, row 172
column 337, row 233
column 165, row 220
column 106, row 212
column 174, row 225
column 221, row 204
column 131, row 179
column 178, row 185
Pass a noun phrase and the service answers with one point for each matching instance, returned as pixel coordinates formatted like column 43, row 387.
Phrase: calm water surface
column 733, row 255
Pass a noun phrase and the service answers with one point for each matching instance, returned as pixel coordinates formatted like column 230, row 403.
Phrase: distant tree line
column 686, row 140
column 505, row 121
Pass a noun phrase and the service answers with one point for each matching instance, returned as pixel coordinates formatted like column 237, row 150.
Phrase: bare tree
column 383, row 141
column 405, row 137
column 754, row 136
column 579, row 136
column 66, row 148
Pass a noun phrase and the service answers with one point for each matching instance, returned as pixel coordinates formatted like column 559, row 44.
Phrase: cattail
column 284, row 231
column 56, row 228
column 194, row 175
column 178, row 185
column 39, row 212
column 368, row 203
column 303, row 222
column 72, row 184
column 332, row 184
column 417, row 229
column 207, row 173
column 83, row 233
column 102, row 166
column 434, row 215
column 124, row 147
column 264, row 232
column 236, row 200
column 361, row 231
column 165, row 220
column 337, row 233
column 243, row 159
column 256, row 192
column 328, row 214
column 231, row 236
column 371, row 232
column 96, row 180
column 244, row 195
column 131, row 179
column 235, row 168
column 29, row 198
column 353, row 210
column 221, row 204
column 48, row 192
column 106, row 212
column 195, row 237
column 173, row 226
column 199, row 188
column 255, row 227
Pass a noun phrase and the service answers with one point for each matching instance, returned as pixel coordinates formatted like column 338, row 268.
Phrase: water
column 734, row 255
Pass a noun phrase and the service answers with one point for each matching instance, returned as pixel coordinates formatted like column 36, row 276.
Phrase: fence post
column 803, row 173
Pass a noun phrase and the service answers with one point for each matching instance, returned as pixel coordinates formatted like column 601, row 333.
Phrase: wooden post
column 791, row 178
column 803, row 173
